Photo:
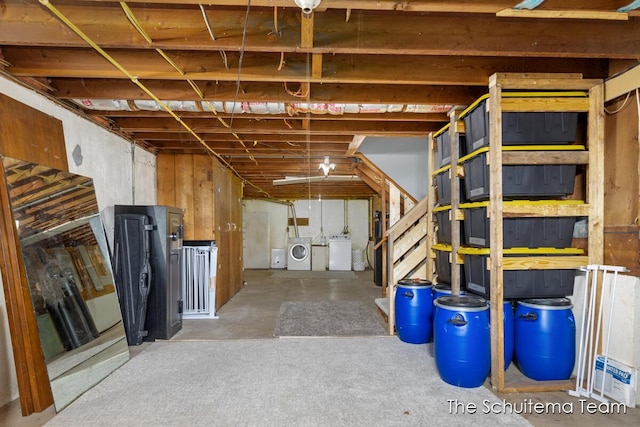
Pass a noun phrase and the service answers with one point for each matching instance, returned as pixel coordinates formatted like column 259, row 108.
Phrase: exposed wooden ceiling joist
column 381, row 55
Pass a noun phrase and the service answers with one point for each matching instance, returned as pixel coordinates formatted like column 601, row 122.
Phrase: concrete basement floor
column 252, row 313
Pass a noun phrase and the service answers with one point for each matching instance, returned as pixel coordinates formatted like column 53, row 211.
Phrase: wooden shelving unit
column 592, row 158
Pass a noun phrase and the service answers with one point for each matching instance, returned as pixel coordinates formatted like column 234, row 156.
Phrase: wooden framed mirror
column 66, row 260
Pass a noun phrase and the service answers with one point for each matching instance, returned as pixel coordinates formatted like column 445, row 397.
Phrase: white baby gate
column 199, row 282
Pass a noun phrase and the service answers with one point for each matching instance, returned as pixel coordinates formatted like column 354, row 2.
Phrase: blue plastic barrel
column 443, row 290
column 545, row 334
column 461, row 340
column 414, row 311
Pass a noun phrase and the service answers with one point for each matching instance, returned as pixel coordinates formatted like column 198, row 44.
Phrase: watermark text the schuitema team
column 528, row 406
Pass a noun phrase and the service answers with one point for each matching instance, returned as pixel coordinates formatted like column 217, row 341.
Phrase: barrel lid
column 442, row 286
column 468, row 302
column 414, row 282
column 547, row 302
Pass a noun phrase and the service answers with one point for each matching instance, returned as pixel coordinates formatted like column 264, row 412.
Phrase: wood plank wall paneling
column 223, row 237
column 622, row 246
column 166, row 184
column 187, row 182
column 27, row 134
column 621, row 164
column 236, row 263
column 184, row 192
column 203, row 196
column 211, row 198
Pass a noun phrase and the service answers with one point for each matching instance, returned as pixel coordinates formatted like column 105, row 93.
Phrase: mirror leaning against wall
column 65, row 255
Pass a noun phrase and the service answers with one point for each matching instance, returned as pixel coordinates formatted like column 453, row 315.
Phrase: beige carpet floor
column 365, row 381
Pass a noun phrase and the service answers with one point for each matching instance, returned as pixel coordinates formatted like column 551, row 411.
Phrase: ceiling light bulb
column 307, row 6
column 327, row 166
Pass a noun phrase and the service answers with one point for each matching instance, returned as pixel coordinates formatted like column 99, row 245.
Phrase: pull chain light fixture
column 307, row 6
column 327, row 166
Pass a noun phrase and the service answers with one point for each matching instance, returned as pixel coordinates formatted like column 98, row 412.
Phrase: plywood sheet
column 28, row 134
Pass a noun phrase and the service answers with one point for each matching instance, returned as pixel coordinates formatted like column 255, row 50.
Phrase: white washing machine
column 340, row 252
column 299, row 253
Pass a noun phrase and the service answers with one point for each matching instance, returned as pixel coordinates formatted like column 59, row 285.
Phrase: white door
column 256, row 241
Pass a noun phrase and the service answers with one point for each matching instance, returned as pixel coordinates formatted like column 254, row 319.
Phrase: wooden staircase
column 407, row 248
column 405, row 243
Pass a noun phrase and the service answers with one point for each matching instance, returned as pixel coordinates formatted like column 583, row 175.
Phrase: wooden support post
column 316, row 66
column 391, row 289
column 394, row 216
column 496, row 236
column 431, row 198
column 454, row 139
column 306, row 30
column 387, row 264
column 395, row 203
column 595, row 187
column 595, row 172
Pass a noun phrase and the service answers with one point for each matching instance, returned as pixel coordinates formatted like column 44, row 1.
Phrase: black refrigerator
column 147, row 257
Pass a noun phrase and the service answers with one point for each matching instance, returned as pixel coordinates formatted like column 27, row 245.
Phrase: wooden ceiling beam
column 280, row 151
column 291, row 192
column 251, row 126
column 355, row 144
column 375, row 33
column 296, row 139
column 261, row 67
column 466, row 6
column 442, row 6
column 270, row 92
column 391, row 117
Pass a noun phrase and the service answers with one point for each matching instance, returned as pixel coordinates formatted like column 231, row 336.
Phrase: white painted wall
column 121, row 174
column 277, row 220
column 337, row 216
column 403, row 159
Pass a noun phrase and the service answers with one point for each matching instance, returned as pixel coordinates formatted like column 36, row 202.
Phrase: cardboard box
column 621, row 381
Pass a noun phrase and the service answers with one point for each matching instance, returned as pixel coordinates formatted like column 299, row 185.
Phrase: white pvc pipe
column 606, row 351
column 582, row 349
column 597, row 340
column 590, row 318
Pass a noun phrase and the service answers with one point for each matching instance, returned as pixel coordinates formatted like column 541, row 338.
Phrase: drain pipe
column 345, row 229
column 295, row 219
